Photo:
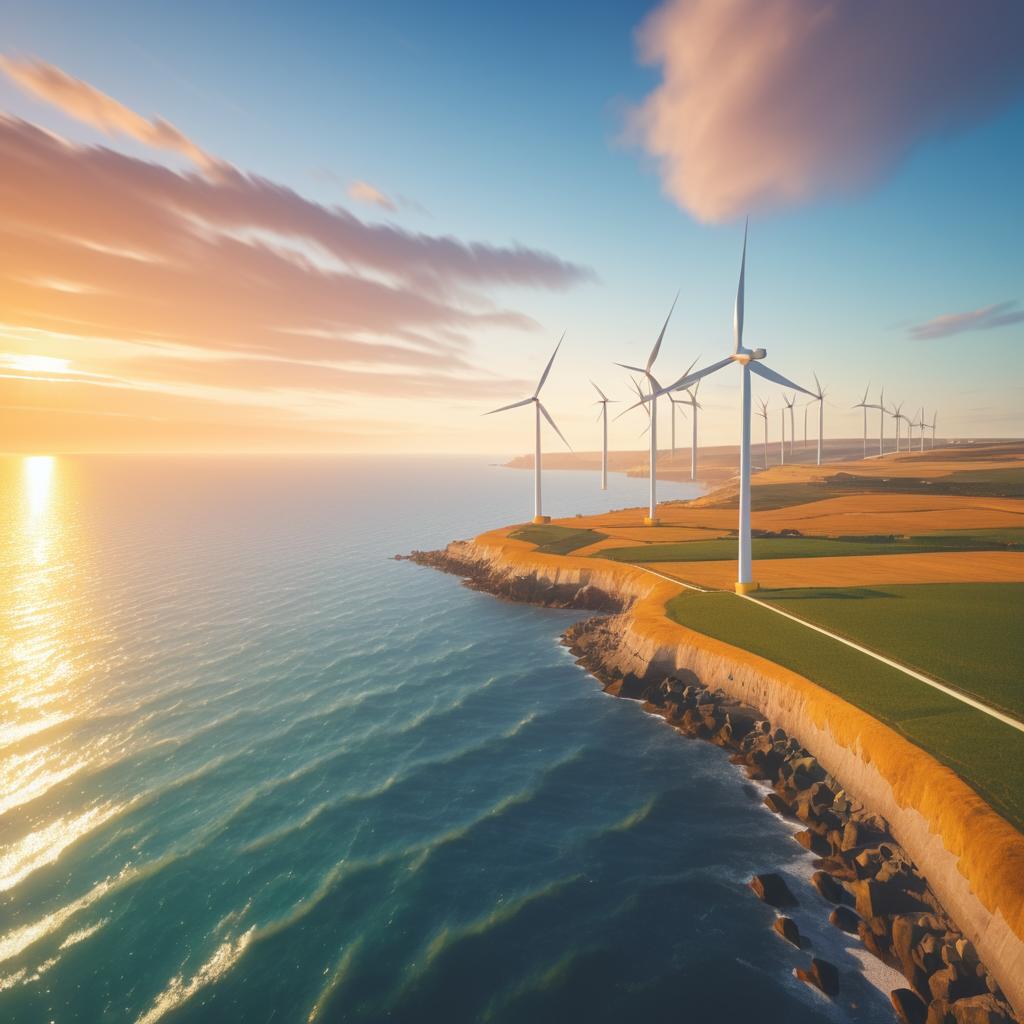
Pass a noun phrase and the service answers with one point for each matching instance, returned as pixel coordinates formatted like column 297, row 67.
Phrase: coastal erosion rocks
column 894, row 912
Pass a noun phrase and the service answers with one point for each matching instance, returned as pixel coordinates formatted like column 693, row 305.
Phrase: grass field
column 557, row 540
column 965, row 634
column 988, row 754
column 804, row 547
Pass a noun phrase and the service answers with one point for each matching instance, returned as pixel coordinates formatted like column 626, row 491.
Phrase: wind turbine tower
column 652, row 513
column 750, row 361
column 539, row 410
column 820, row 396
column 603, row 417
column 863, row 404
column 764, row 415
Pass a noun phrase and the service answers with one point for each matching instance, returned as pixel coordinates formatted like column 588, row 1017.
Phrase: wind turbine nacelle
column 758, row 353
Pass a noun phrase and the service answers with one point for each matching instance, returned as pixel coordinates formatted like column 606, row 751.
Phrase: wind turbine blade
column 737, row 319
column 684, row 382
column 554, row 425
column 769, row 374
column 632, row 369
column 657, row 344
column 604, row 397
column 514, row 405
column 635, row 405
column 817, row 384
column 547, row 369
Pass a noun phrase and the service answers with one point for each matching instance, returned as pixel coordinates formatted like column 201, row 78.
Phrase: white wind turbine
column 749, row 361
column 790, row 405
column 603, row 416
column 539, row 410
column 921, row 425
column 820, row 398
column 652, row 513
column 931, row 426
column 896, row 413
column 764, row 415
column 863, row 404
column 881, row 420
column 782, row 435
column 691, row 401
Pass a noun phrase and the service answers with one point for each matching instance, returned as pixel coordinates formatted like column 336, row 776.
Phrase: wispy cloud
column 87, row 104
column 186, row 306
column 1003, row 314
column 770, row 103
column 364, row 192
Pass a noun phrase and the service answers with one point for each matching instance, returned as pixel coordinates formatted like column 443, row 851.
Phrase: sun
column 39, row 364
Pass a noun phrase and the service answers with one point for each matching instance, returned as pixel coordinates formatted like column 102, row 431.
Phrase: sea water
column 252, row 769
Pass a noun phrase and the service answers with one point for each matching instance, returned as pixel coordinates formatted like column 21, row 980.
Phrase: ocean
column 253, row 769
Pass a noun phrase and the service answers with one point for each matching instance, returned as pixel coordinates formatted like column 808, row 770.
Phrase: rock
column 828, row 887
column 787, row 928
column 590, row 598
column 630, row 686
column 775, row 803
column 845, row 919
column 762, row 728
column 954, row 984
column 927, row 954
column 939, row 1013
column 773, row 890
column 909, row 1006
column 813, row 842
column 873, row 899
column 822, row 975
column 983, row 1009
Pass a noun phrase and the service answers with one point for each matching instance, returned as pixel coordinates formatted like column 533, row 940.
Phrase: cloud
column 87, row 104
column 364, row 192
column 1002, row 314
column 229, row 306
column 771, row 103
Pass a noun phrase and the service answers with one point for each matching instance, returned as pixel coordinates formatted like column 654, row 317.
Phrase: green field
column 968, row 635
column 805, row 547
column 988, row 754
column 557, row 540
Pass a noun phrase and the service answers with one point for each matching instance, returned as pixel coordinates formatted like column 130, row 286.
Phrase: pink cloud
column 87, row 104
column 364, row 192
column 1003, row 314
column 771, row 103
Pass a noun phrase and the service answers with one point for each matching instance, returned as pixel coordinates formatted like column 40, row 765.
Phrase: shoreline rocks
column 894, row 912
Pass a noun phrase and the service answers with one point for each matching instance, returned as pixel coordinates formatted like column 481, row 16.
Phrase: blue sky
column 505, row 124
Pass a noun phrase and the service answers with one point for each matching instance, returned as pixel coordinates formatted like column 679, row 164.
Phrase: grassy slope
column 800, row 547
column 557, row 540
column 966, row 634
column 986, row 753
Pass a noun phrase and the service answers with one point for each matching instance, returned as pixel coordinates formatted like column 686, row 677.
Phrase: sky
column 357, row 228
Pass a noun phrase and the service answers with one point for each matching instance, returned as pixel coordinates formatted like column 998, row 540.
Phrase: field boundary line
column 919, row 676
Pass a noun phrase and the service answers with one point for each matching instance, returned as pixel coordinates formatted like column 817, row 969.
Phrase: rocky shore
column 868, row 884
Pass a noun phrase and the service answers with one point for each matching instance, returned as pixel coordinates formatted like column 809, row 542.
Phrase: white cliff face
column 973, row 860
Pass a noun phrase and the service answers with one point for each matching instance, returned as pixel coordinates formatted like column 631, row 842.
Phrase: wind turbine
column 921, row 424
column 807, row 406
column 881, row 421
column 820, row 397
column 790, row 404
column 749, row 361
column 652, row 513
column 782, row 436
column 539, row 410
column 896, row 413
column 764, row 415
column 863, row 404
column 932, row 426
column 691, row 401
column 603, row 416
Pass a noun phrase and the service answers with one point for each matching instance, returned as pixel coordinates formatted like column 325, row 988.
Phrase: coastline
column 970, row 862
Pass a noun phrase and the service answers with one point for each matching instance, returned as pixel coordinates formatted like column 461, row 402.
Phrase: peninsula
column 871, row 684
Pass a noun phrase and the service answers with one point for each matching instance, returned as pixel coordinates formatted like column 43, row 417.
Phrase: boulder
column 787, row 928
column 874, row 933
column 630, row 686
column 909, row 1006
column 983, row 1009
column 812, row 841
column 775, row 803
column 845, row 919
column 953, row 984
column 773, row 890
column 828, row 887
column 822, row 975
column 875, row 899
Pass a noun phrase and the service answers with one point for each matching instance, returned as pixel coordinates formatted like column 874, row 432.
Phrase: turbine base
column 541, row 520
column 652, row 521
column 747, row 588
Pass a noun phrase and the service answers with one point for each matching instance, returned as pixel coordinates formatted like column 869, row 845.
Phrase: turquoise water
column 253, row 770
